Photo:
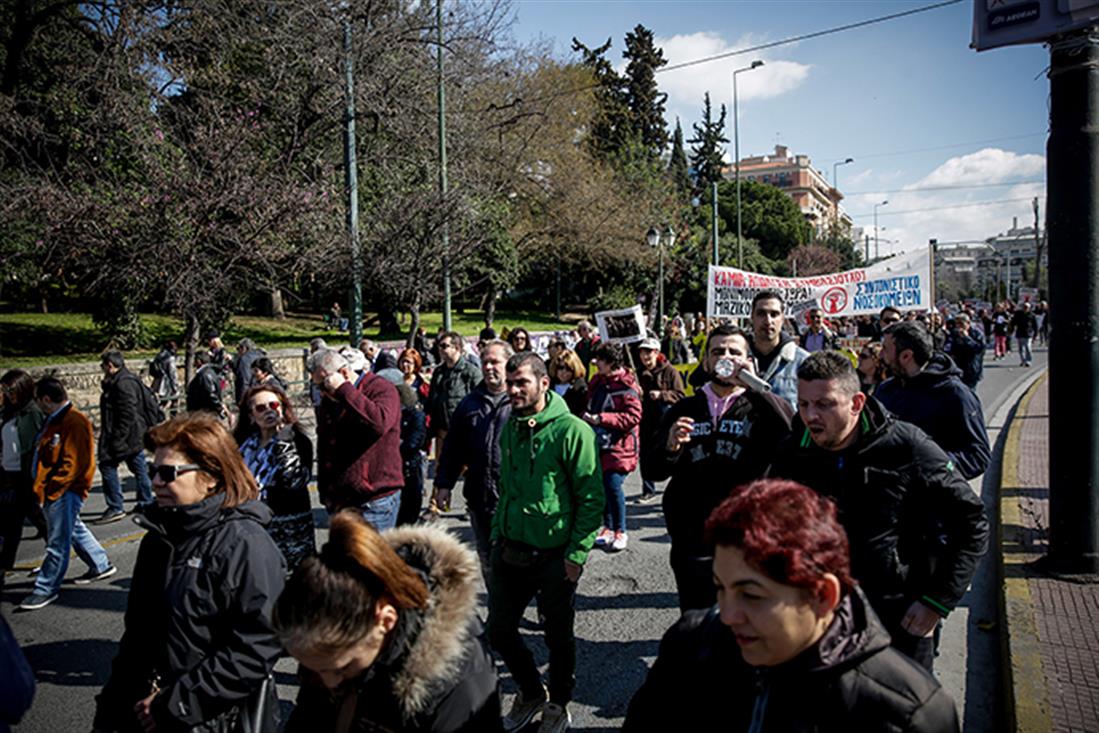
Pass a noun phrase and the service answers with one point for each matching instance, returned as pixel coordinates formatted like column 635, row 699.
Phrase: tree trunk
column 277, row 309
column 191, row 326
column 490, row 306
column 414, row 323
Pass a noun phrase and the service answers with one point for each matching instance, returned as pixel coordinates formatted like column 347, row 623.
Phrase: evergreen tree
column 610, row 127
column 644, row 99
column 707, row 150
column 678, row 169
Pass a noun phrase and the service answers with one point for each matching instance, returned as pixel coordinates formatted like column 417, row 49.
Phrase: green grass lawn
column 37, row 339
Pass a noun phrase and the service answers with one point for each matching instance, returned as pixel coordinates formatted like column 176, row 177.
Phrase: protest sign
column 624, row 326
column 902, row 281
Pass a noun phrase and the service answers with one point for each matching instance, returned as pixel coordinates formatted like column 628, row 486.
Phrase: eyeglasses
column 169, row 472
column 261, row 407
column 865, row 355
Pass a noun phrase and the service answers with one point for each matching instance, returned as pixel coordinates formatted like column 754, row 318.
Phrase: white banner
column 902, row 281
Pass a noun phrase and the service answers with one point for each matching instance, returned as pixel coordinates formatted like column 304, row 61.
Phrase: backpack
column 151, row 410
column 155, row 368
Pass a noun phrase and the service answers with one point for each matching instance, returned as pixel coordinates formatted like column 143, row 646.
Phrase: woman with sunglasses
column 872, row 370
column 385, row 627
column 792, row 644
column 198, row 648
column 280, row 456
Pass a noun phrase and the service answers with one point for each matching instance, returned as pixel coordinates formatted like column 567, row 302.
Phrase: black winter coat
column 198, row 618
column 122, row 427
column 850, row 680
column 967, row 350
column 938, row 403
column 715, row 461
column 449, row 386
column 915, row 527
column 204, row 391
column 473, row 443
column 435, row 674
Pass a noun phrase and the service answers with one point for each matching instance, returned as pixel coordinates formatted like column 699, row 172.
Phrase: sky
column 907, row 99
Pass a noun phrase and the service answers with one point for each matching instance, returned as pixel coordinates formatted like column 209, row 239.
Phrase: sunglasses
column 262, row 407
column 168, row 472
column 864, row 355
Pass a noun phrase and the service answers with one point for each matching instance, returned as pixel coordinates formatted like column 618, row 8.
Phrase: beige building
column 795, row 175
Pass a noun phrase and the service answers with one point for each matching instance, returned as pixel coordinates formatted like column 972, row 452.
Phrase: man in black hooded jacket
column 917, row 530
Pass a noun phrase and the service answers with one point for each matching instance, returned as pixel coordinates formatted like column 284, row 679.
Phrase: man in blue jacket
column 927, row 390
column 966, row 346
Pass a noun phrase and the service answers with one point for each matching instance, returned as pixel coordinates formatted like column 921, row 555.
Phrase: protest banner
column 902, row 281
column 624, row 326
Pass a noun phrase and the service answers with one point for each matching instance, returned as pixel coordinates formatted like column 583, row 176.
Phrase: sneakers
column 555, row 719
column 111, row 515
column 523, row 710
column 648, row 498
column 619, row 542
column 604, row 538
column 37, row 600
column 92, row 575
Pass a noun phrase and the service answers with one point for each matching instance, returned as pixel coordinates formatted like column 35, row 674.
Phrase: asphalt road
column 625, row 603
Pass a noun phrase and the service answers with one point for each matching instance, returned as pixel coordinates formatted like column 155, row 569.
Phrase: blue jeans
column 614, row 511
column 65, row 531
column 382, row 513
column 112, row 486
column 1024, row 349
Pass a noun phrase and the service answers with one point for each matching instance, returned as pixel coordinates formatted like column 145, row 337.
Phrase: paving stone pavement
column 1064, row 614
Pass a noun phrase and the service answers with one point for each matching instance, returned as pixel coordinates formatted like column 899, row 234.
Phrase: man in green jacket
column 551, row 504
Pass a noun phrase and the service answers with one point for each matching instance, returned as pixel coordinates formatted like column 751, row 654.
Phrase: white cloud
column 686, row 87
column 912, row 217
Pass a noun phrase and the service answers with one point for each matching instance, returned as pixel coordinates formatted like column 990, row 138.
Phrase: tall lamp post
column 352, row 182
column 836, row 188
column 654, row 239
column 883, row 203
column 736, row 161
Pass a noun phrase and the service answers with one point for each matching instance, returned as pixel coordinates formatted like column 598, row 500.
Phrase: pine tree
column 611, row 130
column 706, row 146
column 678, row 169
column 645, row 101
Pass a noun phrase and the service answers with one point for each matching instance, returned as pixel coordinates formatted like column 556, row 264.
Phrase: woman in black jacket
column 792, row 644
column 198, row 648
column 386, row 631
column 569, row 372
column 280, row 456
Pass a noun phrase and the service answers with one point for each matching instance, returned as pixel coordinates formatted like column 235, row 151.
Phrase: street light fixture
column 654, row 239
column 883, row 203
column 736, row 162
column 836, row 188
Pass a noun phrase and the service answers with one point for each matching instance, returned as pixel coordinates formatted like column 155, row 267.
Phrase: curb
column 1026, row 694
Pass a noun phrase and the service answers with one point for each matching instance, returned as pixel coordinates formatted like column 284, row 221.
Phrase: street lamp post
column 736, row 161
column 836, row 188
column 352, row 184
column 883, row 203
column 654, row 239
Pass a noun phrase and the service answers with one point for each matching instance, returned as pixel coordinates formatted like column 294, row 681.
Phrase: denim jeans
column 65, row 532
column 382, row 513
column 614, row 511
column 112, row 485
column 1025, row 356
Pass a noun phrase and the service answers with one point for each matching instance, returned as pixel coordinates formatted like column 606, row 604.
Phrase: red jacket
column 359, row 443
column 66, row 456
column 616, row 399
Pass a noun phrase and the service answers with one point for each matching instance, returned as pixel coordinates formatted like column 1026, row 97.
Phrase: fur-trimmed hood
column 435, row 652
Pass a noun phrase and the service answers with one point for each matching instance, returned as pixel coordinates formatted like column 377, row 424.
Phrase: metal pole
column 660, row 293
column 1072, row 225
column 352, row 178
column 932, row 248
column 447, row 325
column 713, row 222
column 1037, row 248
column 557, row 279
column 736, row 166
column 867, row 249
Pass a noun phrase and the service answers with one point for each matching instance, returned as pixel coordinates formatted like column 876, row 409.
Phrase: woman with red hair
column 792, row 643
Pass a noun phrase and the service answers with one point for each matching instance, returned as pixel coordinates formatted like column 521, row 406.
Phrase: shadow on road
column 78, row 663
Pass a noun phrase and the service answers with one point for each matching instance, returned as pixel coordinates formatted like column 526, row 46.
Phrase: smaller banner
column 624, row 326
column 902, row 281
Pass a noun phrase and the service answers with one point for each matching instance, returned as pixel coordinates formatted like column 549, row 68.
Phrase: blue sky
column 874, row 94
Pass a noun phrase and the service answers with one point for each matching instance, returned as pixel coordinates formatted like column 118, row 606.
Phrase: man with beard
column 777, row 354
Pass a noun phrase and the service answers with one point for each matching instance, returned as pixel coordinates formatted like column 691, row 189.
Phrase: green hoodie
column 551, row 486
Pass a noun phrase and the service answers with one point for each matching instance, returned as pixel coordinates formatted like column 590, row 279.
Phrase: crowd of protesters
column 821, row 521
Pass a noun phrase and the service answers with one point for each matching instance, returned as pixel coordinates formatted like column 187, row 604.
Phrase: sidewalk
column 1051, row 627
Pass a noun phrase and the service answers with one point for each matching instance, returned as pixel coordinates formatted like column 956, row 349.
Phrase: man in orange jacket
column 64, row 465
